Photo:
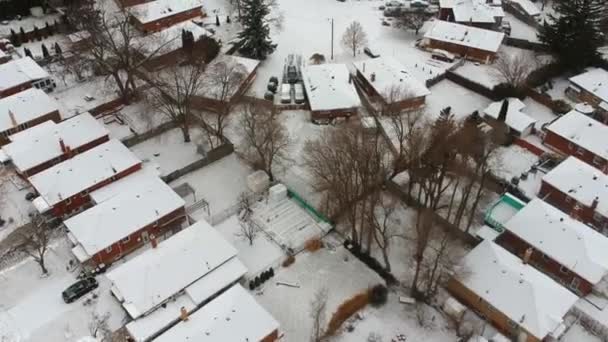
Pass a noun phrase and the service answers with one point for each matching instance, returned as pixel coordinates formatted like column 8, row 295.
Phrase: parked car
column 272, row 87
column 392, row 12
column 505, row 26
column 299, row 93
column 286, row 93
column 368, row 51
column 269, row 96
column 394, row 4
column 292, row 74
column 79, row 289
column 442, row 55
column 30, row 196
column 419, row 4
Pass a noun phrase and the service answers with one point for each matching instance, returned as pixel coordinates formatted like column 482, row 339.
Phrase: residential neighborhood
column 303, row 171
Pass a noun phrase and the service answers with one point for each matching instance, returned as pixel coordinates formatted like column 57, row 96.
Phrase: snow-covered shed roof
column 595, row 81
column 390, row 75
column 583, row 131
column 528, row 6
column 232, row 316
column 24, row 107
column 20, row 71
column 36, row 146
column 219, row 67
column 152, row 277
column 104, row 224
column 582, row 182
column 328, row 87
column 516, row 118
column 469, row 36
column 158, row 9
column 476, row 11
column 169, row 39
column 522, row 293
column 80, row 173
column 564, row 239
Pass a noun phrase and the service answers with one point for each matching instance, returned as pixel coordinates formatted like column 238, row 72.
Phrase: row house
column 118, row 226
column 486, row 14
column 576, row 134
column 21, row 74
column 26, row 109
column 469, row 42
column 4, row 57
column 579, row 189
column 389, row 84
column 521, row 302
column 565, row 249
column 591, row 87
column 64, row 188
column 154, row 16
column 41, row 147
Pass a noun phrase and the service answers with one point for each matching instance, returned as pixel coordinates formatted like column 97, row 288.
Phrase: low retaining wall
column 525, row 44
column 471, row 85
column 528, row 146
column 138, row 138
column 213, row 155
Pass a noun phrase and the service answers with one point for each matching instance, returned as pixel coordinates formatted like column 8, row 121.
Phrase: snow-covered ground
column 538, row 111
column 521, row 30
column 577, row 333
column 75, row 98
column 484, row 74
column 27, row 23
column 511, row 161
column 14, row 208
column 449, row 94
column 35, row 46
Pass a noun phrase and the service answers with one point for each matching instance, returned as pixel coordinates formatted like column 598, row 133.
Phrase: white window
column 68, row 201
column 597, row 160
column 125, row 240
column 568, row 199
column 564, row 270
column 575, row 283
column 597, row 217
column 580, row 151
column 109, row 249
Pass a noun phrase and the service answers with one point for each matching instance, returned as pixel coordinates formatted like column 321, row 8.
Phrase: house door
column 574, row 284
column 145, row 237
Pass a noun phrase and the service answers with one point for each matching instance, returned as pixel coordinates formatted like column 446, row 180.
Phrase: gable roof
column 583, row 131
column 25, row 106
column 569, row 242
column 469, row 36
column 531, row 299
column 595, row 81
column 328, row 87
column 20, row 71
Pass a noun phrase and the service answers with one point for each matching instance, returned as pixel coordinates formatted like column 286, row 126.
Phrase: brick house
column 469, row 42
column 329, row 91
column 154, row 16
column 478, row 13
column 226, row 79
column 129, row 3
column 4, row 57
column 26, row 109
column 591, row 87
column 521, row 302
column 65, row 187
column 389, row 85
column 579, row 188
column 116, row 227
column 565, row 249
column 21, row 74
column 576, row 134
column 38, row 148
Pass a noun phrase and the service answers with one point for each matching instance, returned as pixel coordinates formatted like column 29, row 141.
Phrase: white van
column 299, row 93
column 286, row 93
column 443, row 55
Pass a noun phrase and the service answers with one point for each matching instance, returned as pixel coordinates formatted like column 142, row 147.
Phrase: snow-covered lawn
column 35, row 46
column 72, row 97
column 538, row 111
column 484, row 74
column 577, row 333
column 521, row 30
column 28, row 23
column 14, row 208
column 449, row 94
column 511, row 161
column 31, row 308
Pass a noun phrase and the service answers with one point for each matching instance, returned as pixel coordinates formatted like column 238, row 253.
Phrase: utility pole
column 332, row 39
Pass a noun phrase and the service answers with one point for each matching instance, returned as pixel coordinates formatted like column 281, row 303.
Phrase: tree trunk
column 414, row 287
column 42, row 265
column 451, row 205
column 476, row 201
column 387, row 263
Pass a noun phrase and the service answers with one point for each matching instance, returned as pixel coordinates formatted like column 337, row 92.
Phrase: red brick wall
column 127, row 3
column 49, row 163
column 160, row 24
column 15, row 89
column 471, row 53
column 566, row 147
column 404, row 105
column 5, row 59
column 550, row 267
column 119, row 249
column 273, row 336
column 330, row 114
column 52, row 116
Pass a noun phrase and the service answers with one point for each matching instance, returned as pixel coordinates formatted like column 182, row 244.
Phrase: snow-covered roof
column 328, row 87
column 33, row 131
column 583, row 131
column 522, row 293
column 117, row 187
column 595, row 81
column 139, row 206
column 25, row 106
column 152, row 277
column 158, row 9
column 36, row 146
column 79, row 36
column 582, row 182
column 232, row 316
column 80, row 173
column 564, row 239
column 169, row 39
column 469, row 36
column 528, row 6
column 20, row 71
column 390, row 76
column 516, row 118
column 476, row 11
column 221, row 65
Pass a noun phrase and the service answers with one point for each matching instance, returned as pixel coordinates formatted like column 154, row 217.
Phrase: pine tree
column 228, row 19
column 15, row 38
column 45, row 51
column 22, row 35
column 37, row 33
column 574, row 33
column 58, row 50
column 48, row 29
column 217, row 20
column 28, row 53
column 255, row 38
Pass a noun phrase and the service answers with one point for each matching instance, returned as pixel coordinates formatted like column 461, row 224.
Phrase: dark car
column 370, row 52
column 292, row 74
column 79, row 289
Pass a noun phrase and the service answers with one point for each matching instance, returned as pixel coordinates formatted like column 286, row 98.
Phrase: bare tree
column 317, row 58
column 354, row 37
column 513, row 69
column 413, row 19
column 266, row 141
column 99, row 327
column 172, row 91
column 35, row 241
column 382, row 225
column 318, row 306
column 249, row 229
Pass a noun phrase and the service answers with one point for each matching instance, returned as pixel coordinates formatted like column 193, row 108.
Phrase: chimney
column 12, row 117
column 153, row 241
column 527, row 255
column 595, row 202
column 183, row 314
column 62, row 144
column 373, row 77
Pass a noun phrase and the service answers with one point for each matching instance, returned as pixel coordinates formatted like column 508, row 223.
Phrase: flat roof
column 25, row 106
column 516, row 118
column 571, row 243
column 20, row 71
column 595, row 81
column 583, row 131
column 34, row 130
column 328, row 87
column 477, row 11
column 158, row 9
column 136, row 207
column 522, row 293
column 233, row 316
column 469, row 36
column 391, row 76
column 74, row 175
column 152, row 277
column 582, row 182
column 119, row 186
column 36, row 146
